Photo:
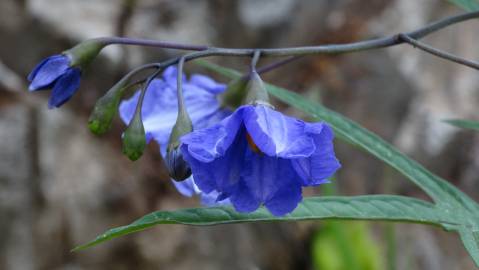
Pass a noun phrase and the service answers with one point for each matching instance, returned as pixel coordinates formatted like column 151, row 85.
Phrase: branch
column 296, row 52
column 439, row 53
column 323, row 49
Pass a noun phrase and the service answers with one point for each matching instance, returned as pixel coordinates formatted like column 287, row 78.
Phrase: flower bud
column 178, row 169
column 256, row 91
column 105, row 110
column 83, row 53
column 134, row 140
column 235, row 93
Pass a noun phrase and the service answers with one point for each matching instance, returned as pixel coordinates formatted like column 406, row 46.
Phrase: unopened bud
column 134, row 140
column 178, row 169
column 105, row 110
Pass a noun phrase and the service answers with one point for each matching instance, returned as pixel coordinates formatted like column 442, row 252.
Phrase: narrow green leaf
column 469, row 5
column 372, row 207
column 440, row 190
column 460, row 123
column 470, row 240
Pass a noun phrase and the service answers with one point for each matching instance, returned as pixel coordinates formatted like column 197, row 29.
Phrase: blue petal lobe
column 207, row 144
column 35, row 70
column 64, row 88
column 323, row 163
column 286, row 198
column 49, row 70
column 207, row 83
column 276, row 134
column 271, row 181
column 244, row 200
column 220, row 173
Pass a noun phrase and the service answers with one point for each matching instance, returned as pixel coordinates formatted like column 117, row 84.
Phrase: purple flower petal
column 208, row 84
column 271, row 181
column 323, row 163
column 64, row 88
column 49, row 70
column 207, row 144
column 244, row 200
column 35, row 70
column 286, row 198
column 276, row 134
column 221, row 172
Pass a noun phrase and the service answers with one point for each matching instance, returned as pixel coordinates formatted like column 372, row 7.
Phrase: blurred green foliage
column 339, row 245
column 468, row 5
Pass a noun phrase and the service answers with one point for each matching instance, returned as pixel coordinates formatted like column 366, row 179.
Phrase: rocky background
column 61, row 186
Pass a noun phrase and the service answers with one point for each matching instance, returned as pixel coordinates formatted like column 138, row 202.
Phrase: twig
column 323, row 49
column 277, row 64
column 295, row 52
column 254, row 60
column 439, row 53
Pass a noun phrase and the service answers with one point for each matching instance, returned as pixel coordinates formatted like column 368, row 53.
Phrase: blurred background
column 60, row 186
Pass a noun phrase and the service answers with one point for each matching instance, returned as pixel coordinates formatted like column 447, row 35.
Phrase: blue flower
column 258, row 156
column 159, row 113
column 57, row 73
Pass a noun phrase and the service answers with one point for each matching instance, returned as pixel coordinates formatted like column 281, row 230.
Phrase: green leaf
column 467, row 124
column 470, row 240
column 469, row 5
column 440, row 190
column 372, row 207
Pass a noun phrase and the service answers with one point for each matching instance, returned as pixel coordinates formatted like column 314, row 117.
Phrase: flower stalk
column 178, row 169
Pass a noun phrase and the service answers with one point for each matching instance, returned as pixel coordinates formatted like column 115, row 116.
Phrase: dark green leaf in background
column 467, row 124
column 469, row 5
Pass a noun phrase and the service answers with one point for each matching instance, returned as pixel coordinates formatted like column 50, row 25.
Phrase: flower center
column 252, row 145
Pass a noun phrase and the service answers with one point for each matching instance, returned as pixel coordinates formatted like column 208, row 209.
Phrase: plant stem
column 439, row 53
column 321, row 49
column 296, row 52
column 182, row 113
column 254, row 60
column 150, row 43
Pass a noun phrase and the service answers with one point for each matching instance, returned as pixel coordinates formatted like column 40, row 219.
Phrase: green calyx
column 134, row 140
column 182, row 126
column 105, row 110
column 256, row 91
column 83, row 53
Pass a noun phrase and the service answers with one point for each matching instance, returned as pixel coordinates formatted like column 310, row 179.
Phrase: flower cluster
column 251, row 157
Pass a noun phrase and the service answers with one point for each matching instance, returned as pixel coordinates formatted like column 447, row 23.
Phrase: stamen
column 252, row 145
